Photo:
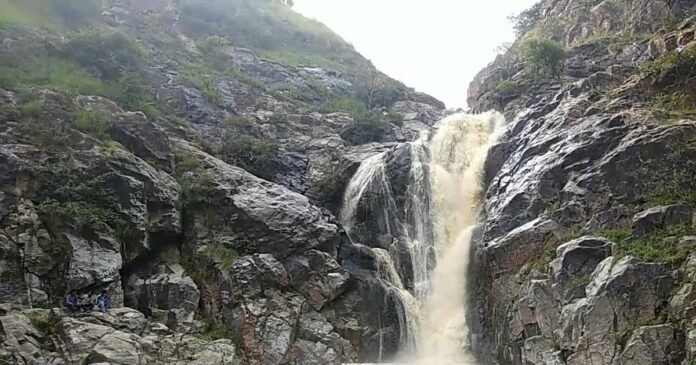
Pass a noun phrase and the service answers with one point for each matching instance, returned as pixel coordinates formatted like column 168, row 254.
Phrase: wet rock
column 250, row 215
column 619, row 294
column 144, row 139
column 318, row 276
column 576, row 261
column 524, row 244
column 661, row 218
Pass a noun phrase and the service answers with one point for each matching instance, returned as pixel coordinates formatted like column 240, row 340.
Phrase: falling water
column 458, row 152
column 443, row 202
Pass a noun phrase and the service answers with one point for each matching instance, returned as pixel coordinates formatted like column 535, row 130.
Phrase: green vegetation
column 226, row 257
column 541, row 264
column 17, row 73
column 257, row 155
column 108, row 65
column 53, row 14
column 198, row 76
column 278, row 118
column 662, row 246
column 31, row 109
column 366, row 128
column 94, row 122
column 544, row 56
column 272, row 29
column 526, row 20
column 197, row 188
column 216, row 330
column 68, row 195
column 672, row 68
column 109, row 55
column 186, row 163
column 506, row 87
column 673, row 76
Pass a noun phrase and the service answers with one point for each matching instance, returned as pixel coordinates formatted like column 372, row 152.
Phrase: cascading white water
column 443, row 202
column 458, row 152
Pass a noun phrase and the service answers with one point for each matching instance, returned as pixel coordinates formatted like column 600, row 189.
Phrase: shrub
column 201, row 78
column 226, row 257
column 94, row 122
column 526, row 20
column 197, row 188
column 110, row 55
column 544, row 55
column 186, row 163
column 506, row 87
column 672, row 68
column 368, row 128
column 278, row 118
column 31, row 109
column 256, row 155
column 84, row 198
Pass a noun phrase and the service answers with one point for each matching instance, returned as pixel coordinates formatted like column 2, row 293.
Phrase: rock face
column 588, row 213
column 193, row 176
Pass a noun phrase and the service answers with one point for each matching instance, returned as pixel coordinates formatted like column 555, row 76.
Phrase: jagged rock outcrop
column 192, row 173
column 588, row 211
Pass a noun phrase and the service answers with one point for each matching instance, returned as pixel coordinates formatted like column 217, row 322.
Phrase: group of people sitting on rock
column 86, row 302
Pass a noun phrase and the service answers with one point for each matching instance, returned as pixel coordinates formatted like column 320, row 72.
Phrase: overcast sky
column 436, row 46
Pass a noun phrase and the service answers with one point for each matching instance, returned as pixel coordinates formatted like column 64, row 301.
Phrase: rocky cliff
column 186, row 156
column 585, row 254
column 191, row 158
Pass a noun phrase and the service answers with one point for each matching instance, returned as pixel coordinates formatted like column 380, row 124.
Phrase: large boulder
column 576, row 261
column 620, row 295
column 661, row 218
column 169, row 297
column 249, row 215
column 648, row 345
column 318, row 276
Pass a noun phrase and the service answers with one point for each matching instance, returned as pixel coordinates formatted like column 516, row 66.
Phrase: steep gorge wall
column 585, row 253
column 204, row 205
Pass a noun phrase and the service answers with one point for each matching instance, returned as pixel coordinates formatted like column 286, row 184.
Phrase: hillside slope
column 186, row 156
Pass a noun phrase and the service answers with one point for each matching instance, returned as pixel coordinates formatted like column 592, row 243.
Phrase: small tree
column 525, row 21
column 544, row 55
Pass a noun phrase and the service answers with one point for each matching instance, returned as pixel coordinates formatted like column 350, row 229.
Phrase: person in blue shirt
column 103, row 301
column 72, row 302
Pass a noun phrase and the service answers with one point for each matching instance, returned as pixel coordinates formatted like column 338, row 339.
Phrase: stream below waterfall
column 424, row 258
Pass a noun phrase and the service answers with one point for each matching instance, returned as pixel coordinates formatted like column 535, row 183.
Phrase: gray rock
column 662, row 217
column 576, row 261
column 652, row 345
column 619, row 295
column 251, row 215
column 318, row 276
column 171, row 299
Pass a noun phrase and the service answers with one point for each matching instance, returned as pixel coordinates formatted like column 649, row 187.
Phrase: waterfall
column 441, row 205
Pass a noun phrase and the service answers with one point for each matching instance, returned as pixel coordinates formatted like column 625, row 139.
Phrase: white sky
column 436, row 46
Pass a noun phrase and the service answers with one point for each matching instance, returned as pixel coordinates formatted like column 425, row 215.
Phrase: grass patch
column 18, row 73
column 257, row 155
column 93, row 122
column 662, row 246
column 506, row 87
column 197, row 188
column 52, row 14
column 226, row 257
column 31, row 109
column 203, row 79
column 541, row 264
column 186, row 163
